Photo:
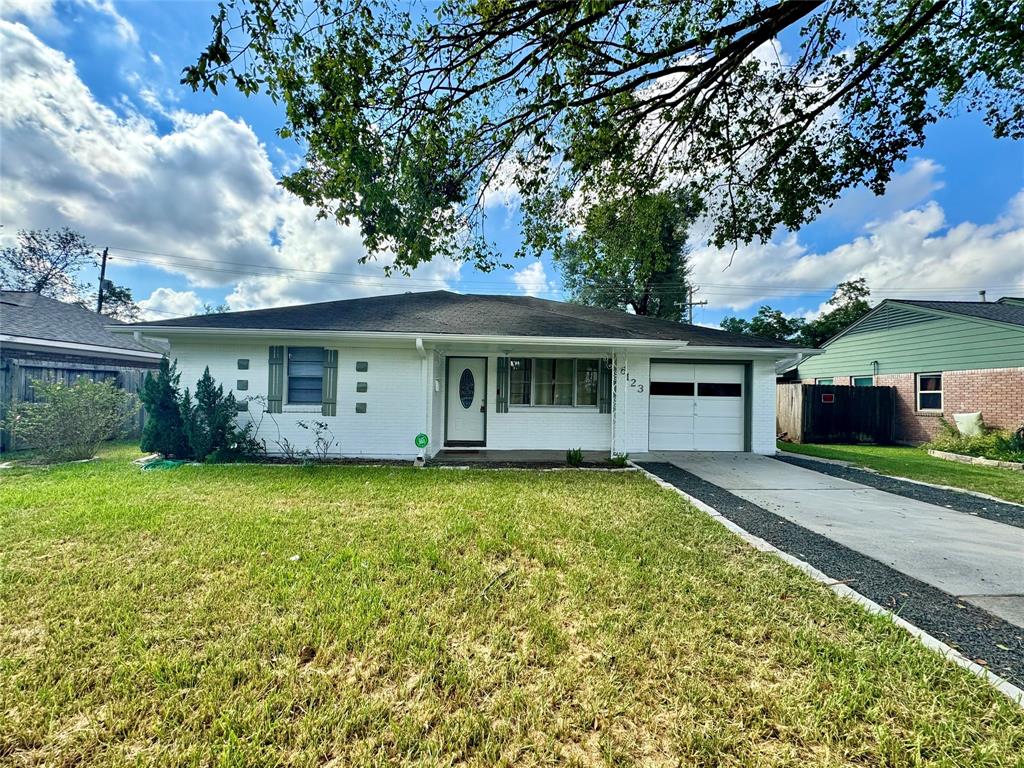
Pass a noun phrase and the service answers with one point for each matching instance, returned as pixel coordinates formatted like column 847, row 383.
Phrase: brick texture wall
column 997, row 392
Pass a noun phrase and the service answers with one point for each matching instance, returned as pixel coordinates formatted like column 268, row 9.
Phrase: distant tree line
column 849, row 303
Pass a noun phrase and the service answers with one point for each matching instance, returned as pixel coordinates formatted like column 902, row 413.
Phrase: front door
column 466, row 402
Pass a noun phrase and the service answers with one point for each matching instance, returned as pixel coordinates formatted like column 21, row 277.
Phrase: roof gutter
column 169, row 330
column 76, row 347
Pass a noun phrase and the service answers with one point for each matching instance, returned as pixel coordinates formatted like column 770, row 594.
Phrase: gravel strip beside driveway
column 1001, row 512
column 977, row 634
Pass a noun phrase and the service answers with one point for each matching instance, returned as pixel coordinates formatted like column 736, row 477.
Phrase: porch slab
column 483, row 456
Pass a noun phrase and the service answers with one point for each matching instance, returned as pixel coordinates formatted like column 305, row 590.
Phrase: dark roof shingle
column 984, row 310
column 443, row 312
column 23, row 313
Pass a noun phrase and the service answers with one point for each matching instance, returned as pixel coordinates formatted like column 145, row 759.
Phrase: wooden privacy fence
column 17, row 375
column 825, row 413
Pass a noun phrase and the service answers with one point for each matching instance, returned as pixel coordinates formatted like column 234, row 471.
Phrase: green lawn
column 335, row 616
column 916, row 464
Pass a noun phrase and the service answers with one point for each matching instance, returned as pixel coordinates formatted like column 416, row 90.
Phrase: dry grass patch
column 439, row 618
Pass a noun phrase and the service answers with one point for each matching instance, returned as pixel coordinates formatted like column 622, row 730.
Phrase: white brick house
column 483, row 372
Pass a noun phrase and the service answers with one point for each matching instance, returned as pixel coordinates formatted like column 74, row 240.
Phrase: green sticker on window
column 421, row 440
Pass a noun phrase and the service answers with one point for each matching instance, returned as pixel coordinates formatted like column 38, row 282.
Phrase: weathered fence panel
column 826, row 413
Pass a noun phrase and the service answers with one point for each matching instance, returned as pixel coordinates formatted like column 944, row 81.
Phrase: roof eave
column 179, row 331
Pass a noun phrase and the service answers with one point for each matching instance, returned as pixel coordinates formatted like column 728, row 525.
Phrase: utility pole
column 103, row 275
column 690, row 304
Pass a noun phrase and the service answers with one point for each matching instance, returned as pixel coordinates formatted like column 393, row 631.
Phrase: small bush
column 997, row 444
column 619, row 460
column 68, row 422
column 164, row 431
column 210, row 420
column 574, row 457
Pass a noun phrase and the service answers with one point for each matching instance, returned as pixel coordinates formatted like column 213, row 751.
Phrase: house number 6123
column 632, row 381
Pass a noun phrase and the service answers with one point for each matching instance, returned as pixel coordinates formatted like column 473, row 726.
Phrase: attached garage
column 697, row 407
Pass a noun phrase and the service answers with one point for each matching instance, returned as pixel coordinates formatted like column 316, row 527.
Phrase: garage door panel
column 718, row 442
column 727, row 373
column 671, row 372
column 708, row 407
column 676, row 441
column 671, row 406
column 672, row 424
column 724, row 424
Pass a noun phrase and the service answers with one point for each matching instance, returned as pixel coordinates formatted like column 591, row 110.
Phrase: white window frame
column 831, row 381
column 853, row 380
column 575, row 381
column 918, row 391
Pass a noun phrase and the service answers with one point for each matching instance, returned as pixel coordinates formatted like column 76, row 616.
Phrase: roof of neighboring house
column 443, row 312
column 1006, row 310
column 29, row 315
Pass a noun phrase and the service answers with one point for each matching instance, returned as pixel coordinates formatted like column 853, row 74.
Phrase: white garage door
column 696, row 407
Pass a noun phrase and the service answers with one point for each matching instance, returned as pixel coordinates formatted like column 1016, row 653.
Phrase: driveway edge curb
column 1008, row 689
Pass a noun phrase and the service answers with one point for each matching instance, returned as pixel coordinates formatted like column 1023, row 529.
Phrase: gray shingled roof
column 445, row 312
column 984, row 310
column 23, row 313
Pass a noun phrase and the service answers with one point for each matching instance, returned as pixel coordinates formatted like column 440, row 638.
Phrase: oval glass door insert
column 467, row 388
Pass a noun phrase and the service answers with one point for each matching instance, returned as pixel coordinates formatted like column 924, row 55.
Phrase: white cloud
column 532, row 280
column 166, row 302
column 912, row 253
column 41, row 13
column 200, row 200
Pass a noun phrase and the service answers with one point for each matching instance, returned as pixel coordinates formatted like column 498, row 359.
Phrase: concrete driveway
column 978, row 560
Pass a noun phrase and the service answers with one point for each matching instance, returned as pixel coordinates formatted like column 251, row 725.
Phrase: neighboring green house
column 943, row 357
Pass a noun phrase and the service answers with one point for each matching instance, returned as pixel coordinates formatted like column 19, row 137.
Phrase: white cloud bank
column 910, row 254
column 200, row 200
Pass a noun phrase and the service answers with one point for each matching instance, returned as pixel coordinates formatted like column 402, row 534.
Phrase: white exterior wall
column 406, row 395
column 762, row 411
column 396, row 403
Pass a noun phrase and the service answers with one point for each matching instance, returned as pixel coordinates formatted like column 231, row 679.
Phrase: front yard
column 310, row 616
column 916, row 464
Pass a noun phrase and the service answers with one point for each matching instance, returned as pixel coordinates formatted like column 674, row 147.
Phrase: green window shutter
column 275, row 384
column 329, row 398
column 503, row 384
column 604, row 387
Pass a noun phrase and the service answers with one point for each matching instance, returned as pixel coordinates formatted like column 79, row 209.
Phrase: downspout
column 428, row 397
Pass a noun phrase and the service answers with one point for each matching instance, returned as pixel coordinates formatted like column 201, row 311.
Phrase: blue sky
column 98, row 135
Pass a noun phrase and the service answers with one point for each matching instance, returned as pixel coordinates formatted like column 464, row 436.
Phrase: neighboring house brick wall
column 997, row 392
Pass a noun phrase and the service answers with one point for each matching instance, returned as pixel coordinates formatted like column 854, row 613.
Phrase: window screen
column 519, row 372
column 929, row 391
column 586, row 382
column 718, row 389
column 305, row 374
column 553, row 381
column 672, row 388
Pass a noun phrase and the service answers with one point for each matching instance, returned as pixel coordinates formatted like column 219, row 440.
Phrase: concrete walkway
column 978, row 560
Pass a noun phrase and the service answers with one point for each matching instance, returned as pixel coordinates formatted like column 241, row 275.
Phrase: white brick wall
column 395, row 400
column 762, row 425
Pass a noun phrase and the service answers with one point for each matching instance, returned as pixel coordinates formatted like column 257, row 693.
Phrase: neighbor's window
column 863, row 381
column 305, row 375
column 552, row 381
column 823, row 381
column 929, row 391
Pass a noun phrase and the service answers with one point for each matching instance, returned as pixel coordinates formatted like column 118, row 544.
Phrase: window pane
column 519, row 380
column 931, row 383
column 586, row 382
column 823, row 381
column 862, row 381
column 563, row 382
column 930, row 401
column 544, row 373
column 305, row 374
column 713, row 389
column 672, row 388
